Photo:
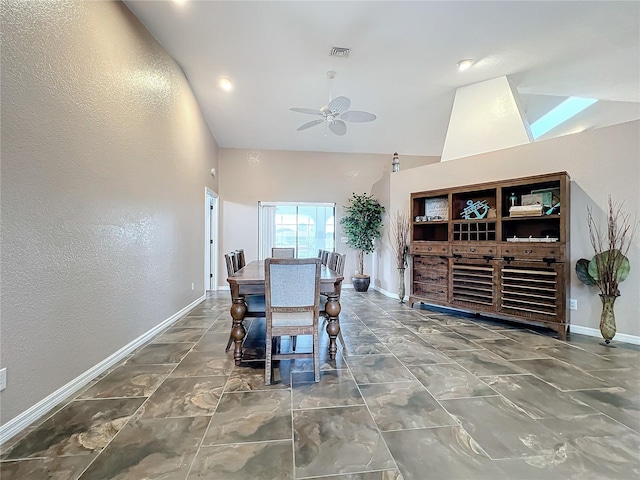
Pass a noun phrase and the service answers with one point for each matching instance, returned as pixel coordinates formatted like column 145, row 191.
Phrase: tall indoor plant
column 610, row 265
column 399, row 236
column 362, row 222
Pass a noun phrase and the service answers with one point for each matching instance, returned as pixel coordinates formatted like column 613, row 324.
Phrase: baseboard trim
column 26, row 418
column 389, row 294
column 594, row 332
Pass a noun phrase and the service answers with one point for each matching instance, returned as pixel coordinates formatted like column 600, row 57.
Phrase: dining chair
column 292, row 288
column 341, row 260
column 280, row 252
column 325, row 256
column 333, row 258
column 240, row 257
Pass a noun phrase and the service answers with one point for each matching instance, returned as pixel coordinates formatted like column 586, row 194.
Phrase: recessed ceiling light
column 179, row 2
column 226, row 84
column 464, row 64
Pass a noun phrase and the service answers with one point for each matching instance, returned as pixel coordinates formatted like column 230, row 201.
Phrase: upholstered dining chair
column 280, row 252
column 292, row 289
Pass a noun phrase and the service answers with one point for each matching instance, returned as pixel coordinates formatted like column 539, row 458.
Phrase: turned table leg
column 238, row 311
column 333, row 326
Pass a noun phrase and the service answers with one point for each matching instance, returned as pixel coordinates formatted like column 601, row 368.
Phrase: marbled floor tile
column 537, row 398
column 620, row 404
column 180, row 335
column 395, row 336
column 157, row 448
column 427, row 326
column 419, row 353
column 561, row 375
column 450, row 341
column 450, row 381
column 477, row 332
column 335, row 388
column 627, row 377
column 597, row 345
column 200, row 364
column 250, row 377
column 329, row 441
column 251, row 417
column 185, row 397
column 378, row 369
column 129, row 381
column 603, row 440
column 160, row 353
column 404, row 405
column 255, row 461
column 195, row 322
column 510, row 349
column 379, row 475
column 215, row 343
column 445, row 453
column 501, row 428
column 382, row 322
column 221, row 325
column 576, row 357
column 376, row 348
column 82, row 427
column 55, row 468
column 363, row 336
column 531, row 338
column 483, row 362
column 450, row 320
column 563, row 465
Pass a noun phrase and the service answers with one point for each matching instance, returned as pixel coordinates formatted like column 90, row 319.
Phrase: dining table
column 249, row 280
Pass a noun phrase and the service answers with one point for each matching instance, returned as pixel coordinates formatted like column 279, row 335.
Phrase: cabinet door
column 473, row 284
column 533, row 290
column 430, row 278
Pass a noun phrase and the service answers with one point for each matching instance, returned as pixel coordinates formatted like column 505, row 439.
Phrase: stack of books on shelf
column 526, row 211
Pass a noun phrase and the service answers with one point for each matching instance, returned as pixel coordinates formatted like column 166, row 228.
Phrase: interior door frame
column 211, row 240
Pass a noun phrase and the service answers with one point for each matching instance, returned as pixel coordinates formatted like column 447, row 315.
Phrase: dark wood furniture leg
column 333, row 326
column 238, row 311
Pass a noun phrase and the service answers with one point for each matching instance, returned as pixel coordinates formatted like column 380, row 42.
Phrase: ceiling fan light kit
column 335, row 113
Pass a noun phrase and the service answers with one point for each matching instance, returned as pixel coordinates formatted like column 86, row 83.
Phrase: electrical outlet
column 573, row 304
column 193, row 287
column 3, row 379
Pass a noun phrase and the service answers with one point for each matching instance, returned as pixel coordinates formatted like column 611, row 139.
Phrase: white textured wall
column 248, row 177
column 105, row 159
column 600, row 162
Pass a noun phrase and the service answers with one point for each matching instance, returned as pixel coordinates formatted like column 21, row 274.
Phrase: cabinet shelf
column 473, row 263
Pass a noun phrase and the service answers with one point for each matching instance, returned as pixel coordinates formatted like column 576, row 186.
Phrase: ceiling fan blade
column 310, row 124
column 339, row 104
column 310, row 111
column 356, row 116
column 338, row 127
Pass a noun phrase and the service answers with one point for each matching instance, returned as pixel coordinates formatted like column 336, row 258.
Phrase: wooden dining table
column 249, row 280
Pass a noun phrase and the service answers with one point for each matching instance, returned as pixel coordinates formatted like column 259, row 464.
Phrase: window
column 308, row 227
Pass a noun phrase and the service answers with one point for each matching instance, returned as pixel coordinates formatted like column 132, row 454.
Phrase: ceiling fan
column 335, row 113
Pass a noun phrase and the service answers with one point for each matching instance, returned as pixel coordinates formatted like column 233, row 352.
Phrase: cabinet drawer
column 532, row 251
column 429, row 248
column 421, row 263
column 430, row 290
column 474, row 250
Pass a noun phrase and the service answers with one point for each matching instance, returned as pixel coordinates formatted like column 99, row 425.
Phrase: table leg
column 238, row 311
column 333, row 326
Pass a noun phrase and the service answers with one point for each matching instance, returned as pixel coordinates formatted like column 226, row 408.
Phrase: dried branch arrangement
column 610, row 265
column 399, row 236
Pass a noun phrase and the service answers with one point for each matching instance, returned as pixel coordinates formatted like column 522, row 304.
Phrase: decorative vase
column 607, row 318
column 401, row 290
column 361, row 284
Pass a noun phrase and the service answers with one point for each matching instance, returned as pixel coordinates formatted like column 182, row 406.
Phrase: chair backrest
column 325, row 256
column 342, row 258
column 240, row 257
column 333, row 259
column 292, row 288
column 234, row 259
column 228, row 258
column 320, row 253
column 279, row 252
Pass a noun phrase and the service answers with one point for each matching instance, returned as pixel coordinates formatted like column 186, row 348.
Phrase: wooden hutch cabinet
column 498, row 248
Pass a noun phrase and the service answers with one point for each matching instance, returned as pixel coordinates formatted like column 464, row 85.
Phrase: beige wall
column 105, row 160
column 247, row 177
column 600, row 162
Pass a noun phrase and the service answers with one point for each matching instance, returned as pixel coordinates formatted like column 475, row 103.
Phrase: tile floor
column 417, row 394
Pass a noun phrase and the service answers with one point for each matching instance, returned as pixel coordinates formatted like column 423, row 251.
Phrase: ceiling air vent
column 339, row 52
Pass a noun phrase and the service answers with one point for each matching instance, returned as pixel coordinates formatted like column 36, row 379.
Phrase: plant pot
column 608, row 318
column 361, row 283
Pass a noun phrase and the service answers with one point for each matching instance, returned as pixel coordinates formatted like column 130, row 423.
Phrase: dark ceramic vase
column 361, row 284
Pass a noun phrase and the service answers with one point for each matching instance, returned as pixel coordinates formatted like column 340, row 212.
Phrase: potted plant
column 399, row 233
column 362, row 222
column 610, row 265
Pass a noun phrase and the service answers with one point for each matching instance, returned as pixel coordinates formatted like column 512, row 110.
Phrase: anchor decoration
column 479, row 209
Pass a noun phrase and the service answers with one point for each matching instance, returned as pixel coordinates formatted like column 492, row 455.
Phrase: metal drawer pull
column 472, row 250
column 528, row 252
column 429, row 249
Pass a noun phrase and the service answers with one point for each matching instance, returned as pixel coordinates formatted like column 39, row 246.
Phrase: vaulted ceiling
column 401, row 65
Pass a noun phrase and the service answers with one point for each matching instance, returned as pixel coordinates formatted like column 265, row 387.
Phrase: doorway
column 211, row 240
